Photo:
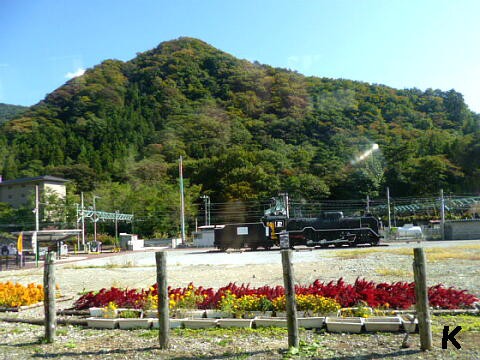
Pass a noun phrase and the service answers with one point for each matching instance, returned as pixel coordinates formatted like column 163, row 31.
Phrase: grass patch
column 148, row 334
column 37, row 350
column 444, row 253
column 70, row 345
column 312, row 349
column 469, row 323
column 228, row 332
column 401, row 251
column 471, row 247
column 61, row 332
column 437, row 254
column 356, row 253
column 393, row 272
column 467, row 252
column 225, row 342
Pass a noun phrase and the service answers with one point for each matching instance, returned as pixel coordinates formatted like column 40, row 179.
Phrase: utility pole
column 206, row 201
column 78, row 225
column 368, row 204
column 37, row 225
column 116, row 227
column 37, row 209
column 95, row 218
column 286, row 203
column 208, row 207
column 182, row 200
column 388, row 208
column 83, row 221
column 442, row 214
column 133, row 219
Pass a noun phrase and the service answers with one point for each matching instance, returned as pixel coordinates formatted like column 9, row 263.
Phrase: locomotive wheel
column 223, row 248
column 254, row 248
column 352, row 244
column 338, row 245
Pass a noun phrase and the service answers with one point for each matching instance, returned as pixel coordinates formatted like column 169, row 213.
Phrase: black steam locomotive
column 330, row 228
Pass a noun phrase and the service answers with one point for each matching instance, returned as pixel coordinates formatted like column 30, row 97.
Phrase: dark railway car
column 236, row 236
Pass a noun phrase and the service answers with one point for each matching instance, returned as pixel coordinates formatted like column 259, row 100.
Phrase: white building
column 20, row 192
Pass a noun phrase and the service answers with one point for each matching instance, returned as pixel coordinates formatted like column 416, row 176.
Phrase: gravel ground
column 20, row 341
column 211, row 268
column 451, row 263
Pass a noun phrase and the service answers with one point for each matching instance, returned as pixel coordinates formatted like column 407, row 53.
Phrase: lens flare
column 365, row 154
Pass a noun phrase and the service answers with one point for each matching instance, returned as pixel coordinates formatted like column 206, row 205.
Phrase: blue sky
column 399, row 43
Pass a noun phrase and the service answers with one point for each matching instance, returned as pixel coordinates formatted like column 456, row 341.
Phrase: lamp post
column 182, row 200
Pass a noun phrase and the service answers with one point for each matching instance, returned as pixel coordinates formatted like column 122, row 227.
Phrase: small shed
column 467, row 229
column 205, row 236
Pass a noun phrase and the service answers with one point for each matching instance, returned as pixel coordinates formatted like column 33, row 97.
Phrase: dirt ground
column 453, row 264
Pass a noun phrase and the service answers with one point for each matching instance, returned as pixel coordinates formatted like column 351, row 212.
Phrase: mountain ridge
column 124, row 120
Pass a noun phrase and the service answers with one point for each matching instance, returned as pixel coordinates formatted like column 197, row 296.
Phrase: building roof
column 35, row 179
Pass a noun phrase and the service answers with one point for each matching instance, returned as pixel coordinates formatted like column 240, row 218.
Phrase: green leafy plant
column 265, row 304
column 130, row 314
column 229, row 304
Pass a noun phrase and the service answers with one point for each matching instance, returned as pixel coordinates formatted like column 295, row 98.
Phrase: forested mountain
column 8, row 111
column 245, row 130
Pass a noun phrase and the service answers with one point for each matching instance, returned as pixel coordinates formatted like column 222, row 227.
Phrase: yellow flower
column 15, row 295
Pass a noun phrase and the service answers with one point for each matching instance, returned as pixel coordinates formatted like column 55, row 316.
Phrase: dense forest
column 245, row 130
column 8, row 112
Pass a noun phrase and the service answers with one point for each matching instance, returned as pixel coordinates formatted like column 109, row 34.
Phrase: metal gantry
column 95, row 216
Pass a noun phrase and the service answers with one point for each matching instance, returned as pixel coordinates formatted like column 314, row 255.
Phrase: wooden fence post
column 49, row 297
column 163, row 316
column 292, row 324
column 421, row 296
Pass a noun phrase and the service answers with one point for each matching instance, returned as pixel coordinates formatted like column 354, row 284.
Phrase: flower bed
column 16, row 295
column 398, row 295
